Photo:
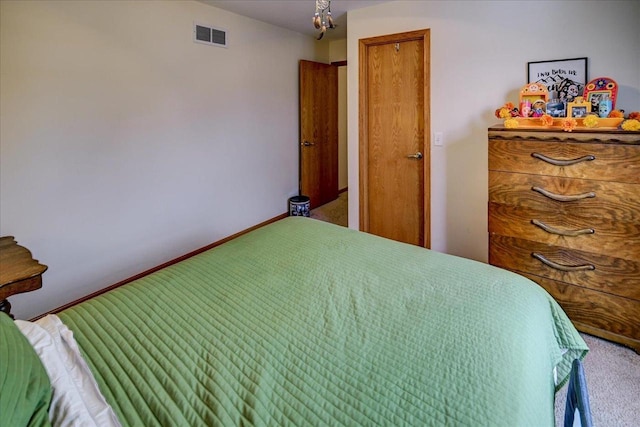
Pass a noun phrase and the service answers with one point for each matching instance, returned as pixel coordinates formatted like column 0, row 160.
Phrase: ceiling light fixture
column 322, row 18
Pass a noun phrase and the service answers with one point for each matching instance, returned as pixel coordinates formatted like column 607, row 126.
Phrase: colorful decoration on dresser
column 533, row 95
column 631, row 124
column 596, row 109
column 579, row 108
column 602, row 93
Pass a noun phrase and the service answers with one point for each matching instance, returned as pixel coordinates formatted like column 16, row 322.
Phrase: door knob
column 308, row 144
column 417, row 156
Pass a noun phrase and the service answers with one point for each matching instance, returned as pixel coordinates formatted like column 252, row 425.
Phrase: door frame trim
column 363, row 137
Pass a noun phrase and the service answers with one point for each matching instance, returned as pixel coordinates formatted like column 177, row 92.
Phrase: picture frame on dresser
column 599, row 88
column 565, row 78
column 579, row 108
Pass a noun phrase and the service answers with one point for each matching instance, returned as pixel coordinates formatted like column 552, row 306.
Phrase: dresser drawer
column 593, row 234
column 566, row 196
column 607, row 162
column 589, row 309
column 589, row 270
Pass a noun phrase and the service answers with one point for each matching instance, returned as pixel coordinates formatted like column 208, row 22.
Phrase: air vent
column 209, row 35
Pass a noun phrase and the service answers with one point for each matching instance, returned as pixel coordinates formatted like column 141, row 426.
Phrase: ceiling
column 294, row 15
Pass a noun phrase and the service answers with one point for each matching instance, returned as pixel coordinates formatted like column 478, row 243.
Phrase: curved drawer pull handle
column 559, row 162
column 553, row 230
column 563, row 198
column 561, row 267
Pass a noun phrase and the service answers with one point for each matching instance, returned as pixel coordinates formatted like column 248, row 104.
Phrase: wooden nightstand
column 19, row 272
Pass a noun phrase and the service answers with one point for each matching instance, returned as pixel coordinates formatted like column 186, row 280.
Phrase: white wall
column 124, row 144
column 479, row 55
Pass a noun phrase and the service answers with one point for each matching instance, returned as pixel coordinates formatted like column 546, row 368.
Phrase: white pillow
column 77, row 400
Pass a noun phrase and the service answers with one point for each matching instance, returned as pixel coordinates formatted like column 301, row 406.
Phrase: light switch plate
column 438, row 139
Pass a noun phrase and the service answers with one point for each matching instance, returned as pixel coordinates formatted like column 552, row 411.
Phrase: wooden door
column 394, row 130
column 318, row 132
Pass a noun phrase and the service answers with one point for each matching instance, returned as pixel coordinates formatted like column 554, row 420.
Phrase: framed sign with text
column 564, row 78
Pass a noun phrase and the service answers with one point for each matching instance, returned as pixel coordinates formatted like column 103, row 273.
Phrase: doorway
column 394, row 139
column 337, row 211
column 318, row 132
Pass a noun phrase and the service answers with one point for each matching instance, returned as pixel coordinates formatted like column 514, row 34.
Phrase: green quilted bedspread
column 306, row 323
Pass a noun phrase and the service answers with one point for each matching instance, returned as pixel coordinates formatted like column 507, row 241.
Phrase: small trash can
column 299, row 206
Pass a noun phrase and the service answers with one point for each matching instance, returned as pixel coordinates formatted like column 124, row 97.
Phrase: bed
column 297, row 323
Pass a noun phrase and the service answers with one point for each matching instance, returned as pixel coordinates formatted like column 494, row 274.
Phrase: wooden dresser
column 564, row 211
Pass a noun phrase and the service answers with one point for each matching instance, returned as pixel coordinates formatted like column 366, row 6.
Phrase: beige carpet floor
column 612, row 371
column 334, row 212
column 613, row 381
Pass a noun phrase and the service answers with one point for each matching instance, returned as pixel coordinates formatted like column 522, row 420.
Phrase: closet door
column 394, row 151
